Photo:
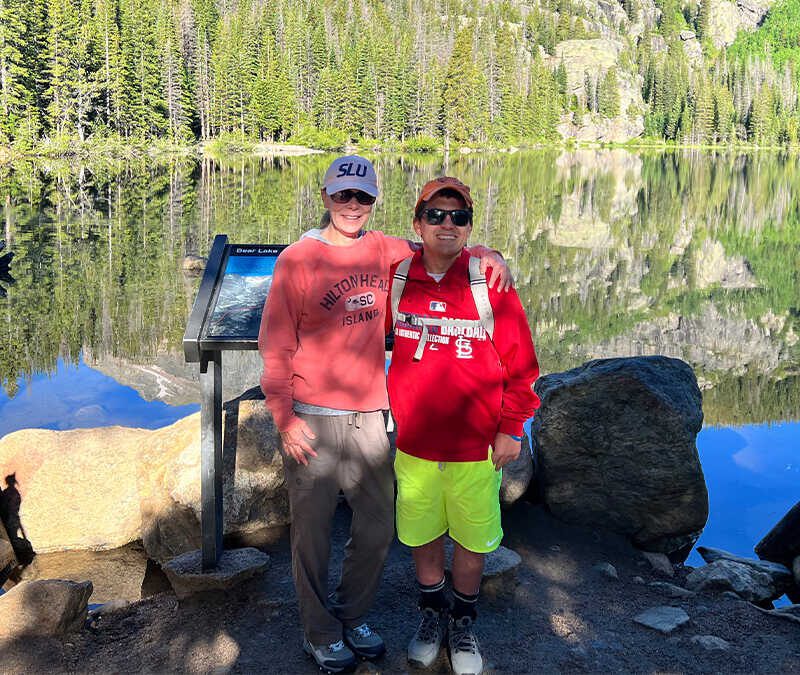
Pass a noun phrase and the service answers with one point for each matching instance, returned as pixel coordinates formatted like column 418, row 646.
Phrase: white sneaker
column 424, row 646
column 465, row 653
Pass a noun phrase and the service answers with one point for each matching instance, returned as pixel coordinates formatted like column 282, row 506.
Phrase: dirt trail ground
column 562, row 616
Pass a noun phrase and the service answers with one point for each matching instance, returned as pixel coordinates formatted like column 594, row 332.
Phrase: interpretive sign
column 226, row 316
column 240, row 297
column 227, row 310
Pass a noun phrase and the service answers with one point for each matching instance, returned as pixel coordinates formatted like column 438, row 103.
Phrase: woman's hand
column 501, row 274
column 296, row 441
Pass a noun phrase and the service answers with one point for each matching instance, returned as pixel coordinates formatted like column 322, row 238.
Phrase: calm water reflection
column 687, row 254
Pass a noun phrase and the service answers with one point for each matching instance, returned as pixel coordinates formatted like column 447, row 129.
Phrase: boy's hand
column 504, row 450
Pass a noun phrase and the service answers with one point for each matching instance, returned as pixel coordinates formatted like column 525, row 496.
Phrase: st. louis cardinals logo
column 463, row 348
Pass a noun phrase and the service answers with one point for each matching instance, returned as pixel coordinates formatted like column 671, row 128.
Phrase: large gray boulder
column 47, row 607
column 614, row 443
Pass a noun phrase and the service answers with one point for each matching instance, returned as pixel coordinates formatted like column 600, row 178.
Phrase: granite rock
column 46, row 607
column 103, row 488
column 660, row 563
column 780, row 574
column 710, row 643
column 664, row 619
column 725, row 575
column 235, row 566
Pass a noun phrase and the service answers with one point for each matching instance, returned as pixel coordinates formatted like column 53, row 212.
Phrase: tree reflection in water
column 690, row 254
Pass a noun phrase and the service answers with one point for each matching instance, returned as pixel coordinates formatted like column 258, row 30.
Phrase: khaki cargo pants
column 353, row 456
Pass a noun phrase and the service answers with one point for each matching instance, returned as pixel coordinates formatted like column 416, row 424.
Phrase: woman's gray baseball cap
column 351, row 172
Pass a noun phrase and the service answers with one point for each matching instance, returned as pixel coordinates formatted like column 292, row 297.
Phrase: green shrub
column 323, row 139
column 422, row 144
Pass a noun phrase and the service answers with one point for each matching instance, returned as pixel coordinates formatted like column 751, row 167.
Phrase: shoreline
column 214, row 148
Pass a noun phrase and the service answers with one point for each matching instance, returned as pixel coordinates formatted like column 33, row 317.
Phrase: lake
column 691, row 254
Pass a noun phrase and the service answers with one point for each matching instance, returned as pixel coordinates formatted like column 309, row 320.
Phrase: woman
column 322, row 343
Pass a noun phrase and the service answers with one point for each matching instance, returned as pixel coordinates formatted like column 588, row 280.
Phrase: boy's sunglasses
column 344, row 196
column 459, row 217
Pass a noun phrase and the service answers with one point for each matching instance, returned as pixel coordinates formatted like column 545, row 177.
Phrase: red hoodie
column 450, row 405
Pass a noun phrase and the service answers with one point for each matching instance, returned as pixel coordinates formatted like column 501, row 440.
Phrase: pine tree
column 703, row 117
column 465, row 95
column 109, row 76
column 762, row 118
column 608, row 94
column 174, row 76
column 205, row 18
column 14, row 96
column 724, row 115
column 143, row 108
column 63, row 54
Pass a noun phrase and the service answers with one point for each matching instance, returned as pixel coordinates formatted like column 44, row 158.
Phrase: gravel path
column 561, row 616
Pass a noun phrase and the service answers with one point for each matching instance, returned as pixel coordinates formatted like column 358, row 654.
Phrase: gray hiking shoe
column 364, row 641
column 424, row 646
column 465, row 654
column 333, row 658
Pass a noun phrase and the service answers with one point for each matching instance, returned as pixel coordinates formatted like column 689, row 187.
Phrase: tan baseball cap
column 443, row 183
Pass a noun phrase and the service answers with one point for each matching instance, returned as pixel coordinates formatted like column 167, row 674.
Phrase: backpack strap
column 480, row 294
column 398, row 285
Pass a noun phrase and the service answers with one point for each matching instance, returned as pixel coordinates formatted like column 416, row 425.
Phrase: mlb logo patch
column 437, row 306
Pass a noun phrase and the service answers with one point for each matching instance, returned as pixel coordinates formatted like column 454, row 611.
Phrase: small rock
column 606, row 569
column 45, row 607
column 186, row 575
column 687, row 35
column 726, row 575
column 194, row 263
column 663, row 619
column 660, row 563
column 671, row 590
column 555, row 548
column 710, row 643
column 499, row 569
column 780, row 574
column 638, row 580
column 579, row 651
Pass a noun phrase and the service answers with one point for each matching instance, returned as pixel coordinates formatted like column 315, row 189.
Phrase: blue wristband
column 516, row 438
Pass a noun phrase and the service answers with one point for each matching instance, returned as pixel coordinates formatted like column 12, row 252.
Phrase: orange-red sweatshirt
column 321, row 335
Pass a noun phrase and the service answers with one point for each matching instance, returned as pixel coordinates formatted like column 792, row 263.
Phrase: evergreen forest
column 396, row 74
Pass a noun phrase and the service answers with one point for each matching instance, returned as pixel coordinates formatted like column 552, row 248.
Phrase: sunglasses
column 344, row 196
column 459, row 217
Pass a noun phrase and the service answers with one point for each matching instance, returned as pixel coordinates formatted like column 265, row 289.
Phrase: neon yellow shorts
column 434, row 497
